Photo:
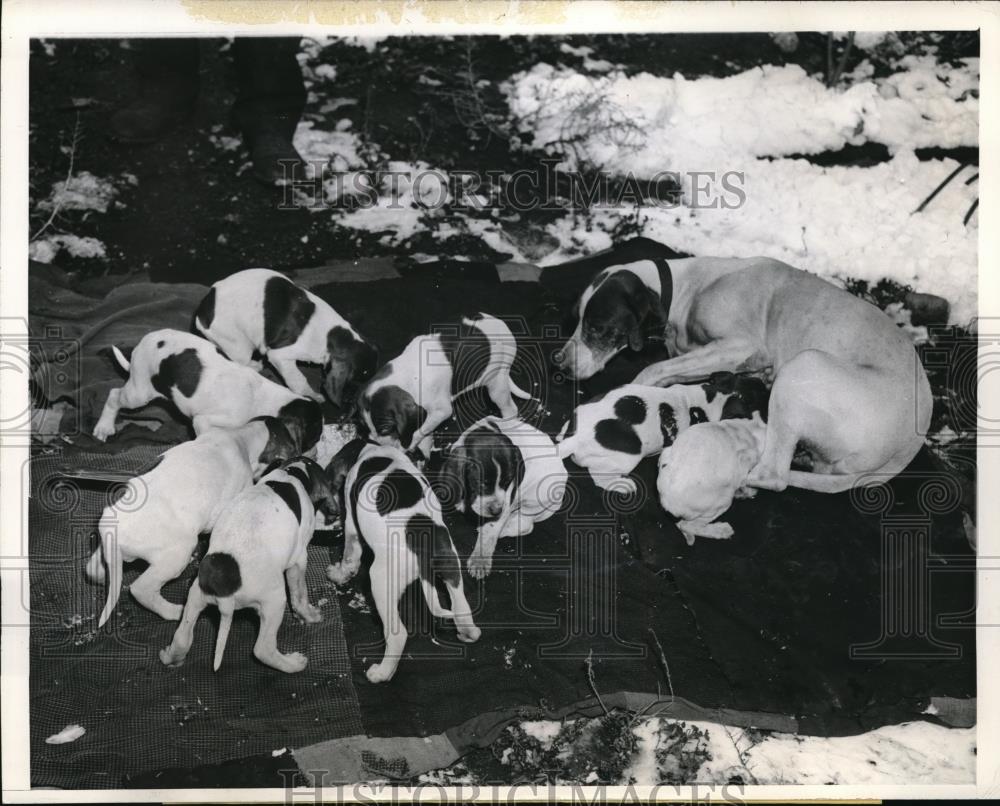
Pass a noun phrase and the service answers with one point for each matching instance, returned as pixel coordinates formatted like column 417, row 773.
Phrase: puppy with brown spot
column 509, row 474
column 207, row 387
column 610, row 435
column 704, row 470
column 182, row 496
column 260, row 541
column 412, row 395
column 262, row 312
column 388, row 502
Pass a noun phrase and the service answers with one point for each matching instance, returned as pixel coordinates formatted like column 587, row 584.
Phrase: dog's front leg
column 299, row 594
column 423, row 437
column 480, row 562
column 175, row 654
column 717, row 356
column 125, row 397
column 290, row 373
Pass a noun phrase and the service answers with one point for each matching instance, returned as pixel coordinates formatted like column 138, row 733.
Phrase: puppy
column 705, row 468
column 610, row 435
column 207, row 387
column 259, row 542
column 181, row 497
column 262, row 311
column 412, row 395
column 510, row 475
column 389, row 503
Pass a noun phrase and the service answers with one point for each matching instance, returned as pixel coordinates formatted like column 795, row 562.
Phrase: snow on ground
column 910, row 753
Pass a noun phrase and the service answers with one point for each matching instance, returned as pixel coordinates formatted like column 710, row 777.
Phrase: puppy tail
column 517, row 391
column 113, row 558
column 225, row 622
column 123, row 362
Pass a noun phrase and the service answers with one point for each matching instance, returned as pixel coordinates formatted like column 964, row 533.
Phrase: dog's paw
column 294, row 662
column 314, row 395
column 102, row 431
column 479, row 566
column 745, row 492
column 339, row 574
column 168, row 657
column 469, row 635
column 380, row 673
column 311, row 614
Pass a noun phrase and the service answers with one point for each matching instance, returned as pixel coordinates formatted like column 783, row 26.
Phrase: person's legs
column 168, row 72
column 270, row 101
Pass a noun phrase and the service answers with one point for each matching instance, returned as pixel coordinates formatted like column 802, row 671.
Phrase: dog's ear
column 452, row 480
column 719, row 383
column 511, row 462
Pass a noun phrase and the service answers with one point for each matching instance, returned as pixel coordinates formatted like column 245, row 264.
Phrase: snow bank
column 911, row 753
column 645, row 124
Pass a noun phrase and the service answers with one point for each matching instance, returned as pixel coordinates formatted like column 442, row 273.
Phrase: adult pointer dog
column 848, row 389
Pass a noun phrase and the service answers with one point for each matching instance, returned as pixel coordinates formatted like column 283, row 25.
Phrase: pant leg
column 171, row 61
column 271, row 93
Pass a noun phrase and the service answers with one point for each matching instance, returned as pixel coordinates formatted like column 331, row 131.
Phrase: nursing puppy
column 412, row 395
column 260, row 540
column 389, row 503
column 205, row 386
column 611, row 435
column 181, row 497
column 510, row 475
column 704, row 470
column 260, row 311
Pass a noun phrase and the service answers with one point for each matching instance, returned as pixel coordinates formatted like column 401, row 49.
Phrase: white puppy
column 388, row 502
column 412, row 395
column 261, row 311
column 704, row 470
column 260, row 540
column 205, row 386
column 610, row 435
column 508, row 473
column 178, row 499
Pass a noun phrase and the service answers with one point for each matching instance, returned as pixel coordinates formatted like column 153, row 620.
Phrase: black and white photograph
column 393, row 403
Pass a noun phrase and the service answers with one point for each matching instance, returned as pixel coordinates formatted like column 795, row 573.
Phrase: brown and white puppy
column 259, row 542
column 509, row 474
column 262, row 312
column 848, row 386
column 611, row 435
column 388, row 502
column 412, row 395
column 207, row 387
column 704, row 470
column 181, row 497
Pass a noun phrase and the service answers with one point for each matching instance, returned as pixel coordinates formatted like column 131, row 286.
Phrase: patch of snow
column 82, row 191
column 68, row 734
column 339, row 149
column 543, row 731
column 44, row 250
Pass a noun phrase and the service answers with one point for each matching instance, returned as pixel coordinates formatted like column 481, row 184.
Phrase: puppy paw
column 294, row 662
column 745, row 492
column 379, row 673
column 310, row 614
column 339, row 574
column 313, row 395
column 170, row 657
column 102, row 431
column 479, row 566
column 469, row 635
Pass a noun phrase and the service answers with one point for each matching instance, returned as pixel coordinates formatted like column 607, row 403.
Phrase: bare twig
column 593, row 684
column 69, row 177
column 940, row 187
column 740, row 754
column 829, row 57
column 843, row 59
column 666, row 666
column 968, row 215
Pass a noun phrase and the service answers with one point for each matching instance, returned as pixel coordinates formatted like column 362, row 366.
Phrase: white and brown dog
column 207, row 387
column 260, row 541
column 610, row 435
column 704, row 470
column 509, row 474
column 388, row 502
column 260, row 312
column 412, row 395
column 181, row 497
column 848, row 386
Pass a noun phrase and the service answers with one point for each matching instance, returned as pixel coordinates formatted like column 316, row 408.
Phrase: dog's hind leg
column 129, row 396
column 434, row 601
column 296, row 576
column 272, row 610
column 162, row 569
column 388, row 585
column 693, row 529
column 342, row 572
column 499, row 391
column 180, row 645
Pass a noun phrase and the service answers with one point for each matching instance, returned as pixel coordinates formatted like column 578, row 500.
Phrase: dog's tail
column 517, row 391
column 113, row 558
column 123, row 362
column 225, row 622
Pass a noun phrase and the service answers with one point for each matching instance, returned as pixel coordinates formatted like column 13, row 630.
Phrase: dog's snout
column 494, row 508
